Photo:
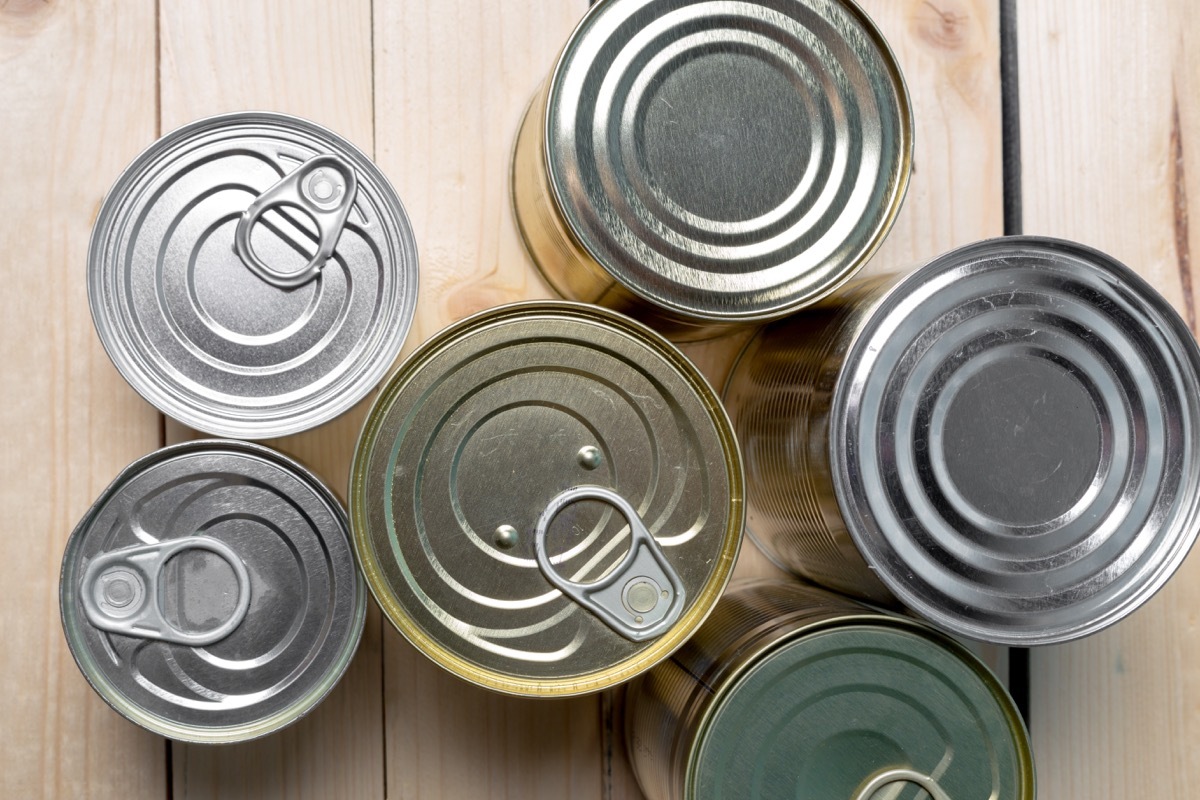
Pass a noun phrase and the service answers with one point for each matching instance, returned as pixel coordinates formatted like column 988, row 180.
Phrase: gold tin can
column 547, row 499
column 700, row 165
column 1005, row 440
column 792, row 692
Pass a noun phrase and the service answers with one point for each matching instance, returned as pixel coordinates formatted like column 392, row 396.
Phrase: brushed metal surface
column 706, row 163
column 788, row 691
column 213, row 341
column 1008, row 435
column 475, row 436
column 307, row 600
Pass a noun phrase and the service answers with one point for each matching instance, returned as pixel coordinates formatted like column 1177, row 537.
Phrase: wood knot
column 945, row 24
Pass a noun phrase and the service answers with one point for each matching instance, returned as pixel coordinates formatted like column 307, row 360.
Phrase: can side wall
column 666, row 707
column 779, row 397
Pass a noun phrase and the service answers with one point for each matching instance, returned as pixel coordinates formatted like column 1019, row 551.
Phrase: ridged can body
column 702, row 164
column 1004, row 440
column 789, row 691
column 252, row 275
column 210, row 594
column 547, row 499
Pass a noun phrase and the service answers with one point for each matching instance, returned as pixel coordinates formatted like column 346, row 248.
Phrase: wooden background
column 1105, row 115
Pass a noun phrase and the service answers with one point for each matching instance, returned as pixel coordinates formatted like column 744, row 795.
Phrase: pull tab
column 120, row 591
column 892, row 776
column 642, row 597
column 324, row 187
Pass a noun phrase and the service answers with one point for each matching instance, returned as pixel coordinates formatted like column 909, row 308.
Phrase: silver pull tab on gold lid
column 642, row 597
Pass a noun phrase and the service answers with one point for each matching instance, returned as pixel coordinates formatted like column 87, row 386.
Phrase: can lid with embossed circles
column 547, row 499
column 210, row 594
column 702, row 164
column 252, row 275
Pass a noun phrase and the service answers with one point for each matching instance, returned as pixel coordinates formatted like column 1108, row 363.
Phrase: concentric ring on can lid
column 844, row 711
column 211, row 594
column 547, row 499
column 252, row 275
column 1015, row 440
column 728, row 161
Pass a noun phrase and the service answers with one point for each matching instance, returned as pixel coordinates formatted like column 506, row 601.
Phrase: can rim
column 229, row 734
column 897, row 192
column 879, row 621
column 840, row 435
column 125, row 358
column 587, row 683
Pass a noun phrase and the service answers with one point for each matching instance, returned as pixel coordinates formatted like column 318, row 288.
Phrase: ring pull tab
column 120, row 591
column 324, row 187
column 642, row 597
column 893, row 776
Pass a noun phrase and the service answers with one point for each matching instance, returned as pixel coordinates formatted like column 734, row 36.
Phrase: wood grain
column 452, row 80
column 70, row 423
column 1110, row 132
column 311, row 59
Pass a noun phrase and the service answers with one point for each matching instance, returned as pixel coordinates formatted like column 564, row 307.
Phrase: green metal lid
column 863, row 712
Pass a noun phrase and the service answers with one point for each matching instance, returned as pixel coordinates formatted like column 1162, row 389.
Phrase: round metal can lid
column 547, row 499
column 1015, row 440
column 728, row 160
column 211, row 593
column 863, row 712
column 252, row 275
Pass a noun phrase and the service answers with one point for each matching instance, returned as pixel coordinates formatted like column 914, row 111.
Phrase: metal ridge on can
column 1006, row 440
column 792, row 692
column 700, row 165
column 547, row 498
column 210, row 594
column 252, row 275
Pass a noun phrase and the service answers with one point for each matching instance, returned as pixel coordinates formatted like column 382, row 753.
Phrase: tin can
column 252, row 275
column 791, row 692
column 210, row 594
column 1004, row 440
column 700, row 165
column 546, row 499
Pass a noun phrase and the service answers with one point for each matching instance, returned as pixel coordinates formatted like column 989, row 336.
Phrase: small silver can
column 792, row 693
column 1005, row 440
column 210, row 594
column 703, row 165
column 252, row 275
column 547, row 499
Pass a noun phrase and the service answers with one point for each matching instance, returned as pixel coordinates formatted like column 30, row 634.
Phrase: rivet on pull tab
column 894, row 776
column 642, row 597
column 324, row 187
column 120, row 591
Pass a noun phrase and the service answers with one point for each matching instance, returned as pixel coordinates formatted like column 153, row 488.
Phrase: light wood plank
column 311, row 59
column 70, row 422
column 452, row 81
column 1110, row 127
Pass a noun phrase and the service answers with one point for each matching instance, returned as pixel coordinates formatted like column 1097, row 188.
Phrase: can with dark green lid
column 791, row 692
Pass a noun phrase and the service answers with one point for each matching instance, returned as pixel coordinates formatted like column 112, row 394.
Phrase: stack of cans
column 548, row 499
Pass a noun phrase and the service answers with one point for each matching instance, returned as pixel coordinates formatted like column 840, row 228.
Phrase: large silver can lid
column 211, row 594
column 1016, row 440
column 547, row 499
column 252, row 275
column 727, row 161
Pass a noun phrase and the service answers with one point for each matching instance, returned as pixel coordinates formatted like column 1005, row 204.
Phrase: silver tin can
column 700, row 165
column 546, row 499
column 210, row 594
column 1006, row 440
column 789, row 692
column 252, row 275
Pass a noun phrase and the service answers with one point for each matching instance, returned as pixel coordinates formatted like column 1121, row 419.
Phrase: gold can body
column 673, row 713
column 702, row 166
